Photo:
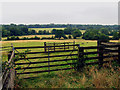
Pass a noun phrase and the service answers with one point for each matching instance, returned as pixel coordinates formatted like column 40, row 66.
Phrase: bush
column 47, row 38
column 69, row 36
column 65, row 37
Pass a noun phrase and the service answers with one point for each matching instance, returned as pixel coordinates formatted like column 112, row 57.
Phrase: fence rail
column 64, row 46
column 101, row 54
column 8, row 74
column 80, row 58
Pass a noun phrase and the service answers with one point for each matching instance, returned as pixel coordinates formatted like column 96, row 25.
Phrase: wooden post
column 64, row 46
column 119, row 54
column 73, row 44
column 54, row 46
column 48, row 62
column 45, row 46
column 9, row 55
column 68, row 45
column 80, row 59
column 101, row 56
column 98, row 42
column 12, row 71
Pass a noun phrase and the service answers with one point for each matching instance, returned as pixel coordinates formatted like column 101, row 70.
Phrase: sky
column 59, row 12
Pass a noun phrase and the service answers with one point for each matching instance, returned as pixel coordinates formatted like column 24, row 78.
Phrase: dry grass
column 91, row 77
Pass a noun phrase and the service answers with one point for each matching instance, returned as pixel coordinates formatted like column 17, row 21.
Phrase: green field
column 59, row 79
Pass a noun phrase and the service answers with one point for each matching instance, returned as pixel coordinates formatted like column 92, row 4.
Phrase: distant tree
column 65, row 37
column 40, row 32
column 105, row 31
column 104, row 37
column 5, row 33
column 59, row 34
column 33, row 32
column 17, row 38
column 115, row 36
column 53, row 31
column 44, row 32
column 69, row 37
column 76, row 33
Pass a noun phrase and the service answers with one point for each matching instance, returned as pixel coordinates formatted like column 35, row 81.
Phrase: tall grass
column 106, row 77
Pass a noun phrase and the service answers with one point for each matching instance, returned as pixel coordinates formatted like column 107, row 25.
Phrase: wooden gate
column 31, row 60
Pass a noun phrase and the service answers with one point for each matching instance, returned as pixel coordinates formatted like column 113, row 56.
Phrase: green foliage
column 53, row 31
column 115, row 36
column 59, row 34
column 24, row 38
column 69, row 36
column 76, row 33
column 93, row 34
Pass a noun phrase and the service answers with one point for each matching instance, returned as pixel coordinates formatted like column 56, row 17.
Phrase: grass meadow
column 90, row 77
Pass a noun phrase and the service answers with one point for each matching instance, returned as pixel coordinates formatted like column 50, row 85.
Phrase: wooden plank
column 91, row 47
column 45, row 71
column 46, row 66
column 60, row 43
column 46, row 56
column 46, row 61
column 111, row 45
column 45, row 52
column 44, row 46
column 92, row 63
column 11, row 57
column 86, row 53
column 108, row 50
column 5, row 76
column 89, row 58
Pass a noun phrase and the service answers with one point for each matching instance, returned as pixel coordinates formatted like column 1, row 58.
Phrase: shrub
column 69, row 36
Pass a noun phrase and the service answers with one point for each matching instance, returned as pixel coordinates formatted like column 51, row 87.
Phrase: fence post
column 64, row 46
column 12, row 71
column 73, row 45
column 119, row 54
column 54, row 46
column 45, row 46
column 80, row 58
column 48, row 62
column 101, row 56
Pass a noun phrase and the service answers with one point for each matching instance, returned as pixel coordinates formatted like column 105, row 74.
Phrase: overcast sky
column 60, row 12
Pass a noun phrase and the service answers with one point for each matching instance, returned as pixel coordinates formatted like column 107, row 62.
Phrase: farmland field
column 53, row 79
column 23, row 43
column 47, row 29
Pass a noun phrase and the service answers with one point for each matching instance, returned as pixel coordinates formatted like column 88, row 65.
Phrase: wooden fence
column 45, row 62
column 106, row 44
column 101, row 54
column 67, row 46
column 8, row 73
column 61, row 59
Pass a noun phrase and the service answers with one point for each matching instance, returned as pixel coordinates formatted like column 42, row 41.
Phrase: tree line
column 93, row 32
